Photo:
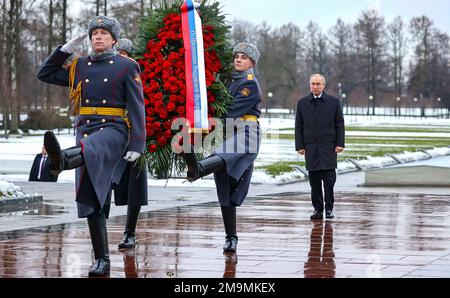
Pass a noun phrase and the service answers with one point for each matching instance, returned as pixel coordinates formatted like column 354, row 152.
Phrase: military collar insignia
column 243, row 74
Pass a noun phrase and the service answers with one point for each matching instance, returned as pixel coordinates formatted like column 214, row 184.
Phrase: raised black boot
column 99, row 238
column 198, row 169
column 129, row 236
column 66, row 159
column 229, row 221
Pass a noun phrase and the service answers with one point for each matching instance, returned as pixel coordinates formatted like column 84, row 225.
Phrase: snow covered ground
column 17, row 154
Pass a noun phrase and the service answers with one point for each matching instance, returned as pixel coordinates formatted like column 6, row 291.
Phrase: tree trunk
column 49, row 51
column 3, row 93
column 64, row 20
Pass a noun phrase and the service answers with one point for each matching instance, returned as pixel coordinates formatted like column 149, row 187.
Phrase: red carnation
column 152, row 148
column 167, row 125
column 171, row 106
column 163, row 114
column 181, row 110
column 162, row 141
column 157, row 125
column 168, row 134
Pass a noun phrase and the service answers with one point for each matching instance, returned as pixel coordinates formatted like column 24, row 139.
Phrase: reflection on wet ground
column 231, row 261
column 31, row 209
column 373, row 235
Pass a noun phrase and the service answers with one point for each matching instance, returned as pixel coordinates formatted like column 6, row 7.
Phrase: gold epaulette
column 75, row 93
column 250, row 77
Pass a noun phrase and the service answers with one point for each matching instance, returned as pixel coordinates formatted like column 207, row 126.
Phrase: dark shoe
column 128, row 241
column 329, row 214
column 62, row 159
column 198, row 169
column 129, row 236
column 53, row 149
column 316, row 215
column 230, row 244
column 192, row 165
column 101, row 267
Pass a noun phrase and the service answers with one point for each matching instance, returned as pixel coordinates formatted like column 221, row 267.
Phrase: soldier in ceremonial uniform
column 233, row 167
column 124, row 47
column 108, row 98
column 131, row 188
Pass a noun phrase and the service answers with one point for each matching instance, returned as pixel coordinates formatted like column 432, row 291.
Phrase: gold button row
column 103, row 101
column 104, row 80
column 110, row 62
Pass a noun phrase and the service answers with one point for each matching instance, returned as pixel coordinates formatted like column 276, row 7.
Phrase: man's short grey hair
column 320, row 76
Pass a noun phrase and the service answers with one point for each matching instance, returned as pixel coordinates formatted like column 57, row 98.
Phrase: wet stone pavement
column 373, row 235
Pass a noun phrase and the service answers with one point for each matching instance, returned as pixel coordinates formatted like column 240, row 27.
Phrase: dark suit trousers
column 329, row 180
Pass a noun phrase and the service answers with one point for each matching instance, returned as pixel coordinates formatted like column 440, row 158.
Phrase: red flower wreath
column 163, row 77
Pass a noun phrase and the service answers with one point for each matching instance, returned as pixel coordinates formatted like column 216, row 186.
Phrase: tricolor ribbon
column 196, row 94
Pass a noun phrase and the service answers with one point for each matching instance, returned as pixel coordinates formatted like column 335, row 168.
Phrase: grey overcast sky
column 326, row 12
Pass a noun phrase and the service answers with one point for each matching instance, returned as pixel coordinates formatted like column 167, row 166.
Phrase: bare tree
column 49, row 49
column 64, row 20
column 265, row 44
column 440, row 70
column 3, row 71
column 397, row 52
column 287, row 75
column 128, row 15
column 316, row 49
column 343, row 58
column 243, row 31
column 420, row 84
column 369, row 31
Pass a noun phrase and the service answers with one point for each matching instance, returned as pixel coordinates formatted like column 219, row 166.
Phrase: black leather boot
column 198, row 169
column 99, row 238
column 66, row 159
column 229, row 221
column 129, row 236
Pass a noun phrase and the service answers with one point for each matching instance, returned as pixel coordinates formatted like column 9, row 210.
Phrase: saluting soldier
column 132, row 187
column 232, row 164
column 107, row 93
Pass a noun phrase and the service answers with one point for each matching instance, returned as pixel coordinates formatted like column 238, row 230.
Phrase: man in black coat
column 40, row 170
column 320, row 136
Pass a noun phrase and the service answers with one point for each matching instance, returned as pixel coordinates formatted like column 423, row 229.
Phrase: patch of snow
column 436, row 152
column 261, row 177
column 375, row 162
column 344, row 166
column 9, row 190
column 411, row 156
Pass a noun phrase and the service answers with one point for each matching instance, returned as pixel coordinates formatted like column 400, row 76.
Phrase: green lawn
column 362, row 147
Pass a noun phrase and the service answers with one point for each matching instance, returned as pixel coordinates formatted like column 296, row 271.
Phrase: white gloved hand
column 72, row 44
column 132, row 156
column 196, row 5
